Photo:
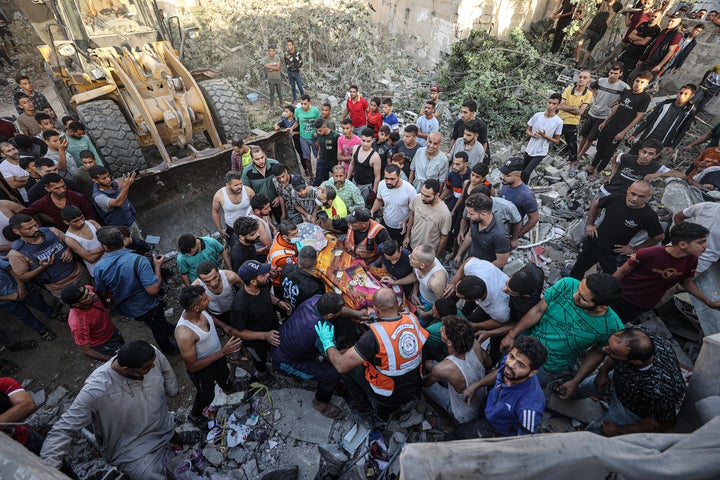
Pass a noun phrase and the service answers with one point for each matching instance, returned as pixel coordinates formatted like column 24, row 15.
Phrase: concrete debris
column 55, row 396
column 38, row 397
column 213, row 455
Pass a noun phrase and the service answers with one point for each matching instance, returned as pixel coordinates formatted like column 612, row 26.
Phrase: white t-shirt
column 538, row 147
column 9, row 170
column 497, row 302
column 707, row 214
column 397, row 202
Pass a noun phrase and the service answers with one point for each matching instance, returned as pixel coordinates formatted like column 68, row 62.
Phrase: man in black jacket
column 668, row 122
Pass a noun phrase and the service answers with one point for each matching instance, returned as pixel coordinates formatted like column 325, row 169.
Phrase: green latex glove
column 326, row 333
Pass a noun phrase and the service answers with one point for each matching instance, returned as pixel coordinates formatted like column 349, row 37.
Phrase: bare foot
column 328, row 409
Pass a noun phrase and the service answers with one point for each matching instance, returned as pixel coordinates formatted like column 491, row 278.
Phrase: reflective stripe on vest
column 280, row 253
column 360, row 250
column 392, row 345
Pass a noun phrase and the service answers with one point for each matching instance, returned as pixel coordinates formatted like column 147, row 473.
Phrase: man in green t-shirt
column 306, row 115
column 327, row 148
column 572, row 317
column 194, row 251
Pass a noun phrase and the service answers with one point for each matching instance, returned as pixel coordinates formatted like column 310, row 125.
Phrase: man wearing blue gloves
column 299, row 346
column 383, row 368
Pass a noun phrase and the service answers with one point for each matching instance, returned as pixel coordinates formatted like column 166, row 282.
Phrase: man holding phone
column 111, row 199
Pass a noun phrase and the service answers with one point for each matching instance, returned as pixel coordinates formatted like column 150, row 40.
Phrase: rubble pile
column 339, row 43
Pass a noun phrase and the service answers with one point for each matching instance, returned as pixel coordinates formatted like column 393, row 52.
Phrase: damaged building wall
column 432, row 26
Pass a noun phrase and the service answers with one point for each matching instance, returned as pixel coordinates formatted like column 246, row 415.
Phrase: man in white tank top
column 431, row 278
column 220, row 285
column 234, row 199
column 201, row 350
column 461, row 368
column 81, row 236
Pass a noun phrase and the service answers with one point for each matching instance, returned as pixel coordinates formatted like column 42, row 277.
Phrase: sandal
column 48, row 336
column 8, row 368
column 22, row 345
column 188, row 437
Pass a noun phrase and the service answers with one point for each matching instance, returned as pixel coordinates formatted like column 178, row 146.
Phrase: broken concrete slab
column 38, row 397
column 55, row 396
column 213, row 455
column 300, row 419
column 585, row 410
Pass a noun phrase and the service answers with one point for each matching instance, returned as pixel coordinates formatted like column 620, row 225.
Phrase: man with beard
column 429, row 221
column 470, row 144
column 429, row 162
column 625, row 216
column 15, row 176
column 572, row 319
column 522, row 196
column 516, row 403
column 247, row 231
column 253, row 313
column 234, row 199
column 488, row 239
column 57, row 198
column 394, row 197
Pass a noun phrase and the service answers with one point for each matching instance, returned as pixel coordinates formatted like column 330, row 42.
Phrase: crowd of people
column 447, row 322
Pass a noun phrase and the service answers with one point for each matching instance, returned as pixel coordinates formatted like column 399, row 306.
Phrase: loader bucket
column 177, row 199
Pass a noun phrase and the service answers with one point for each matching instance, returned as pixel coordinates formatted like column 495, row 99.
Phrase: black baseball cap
column 513, row 164
column 359, row 215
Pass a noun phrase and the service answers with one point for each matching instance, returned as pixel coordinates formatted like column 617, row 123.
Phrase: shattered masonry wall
column 439, row 23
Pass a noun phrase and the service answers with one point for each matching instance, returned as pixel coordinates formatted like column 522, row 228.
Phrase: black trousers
column 570, row 133
column 205, row 380
column 365, row 401
column 605, row 147
column 593, row 251
column 162, row 330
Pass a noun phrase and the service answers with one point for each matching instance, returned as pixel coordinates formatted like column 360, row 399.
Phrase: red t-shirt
column 374, row 121
column 654, row 272
column 357, row 111
column 92, row 326
column 9, row 387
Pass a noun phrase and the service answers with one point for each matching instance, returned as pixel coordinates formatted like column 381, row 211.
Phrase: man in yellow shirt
column 575, row 101
column 331, row 203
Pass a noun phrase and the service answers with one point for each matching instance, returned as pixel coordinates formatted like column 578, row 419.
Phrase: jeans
column 627, row 312
column 20, row 309
column 162, row 330
column 111, row 347
column 439, row 395
column 295, row 79
column 205, row 380
column 616, row 413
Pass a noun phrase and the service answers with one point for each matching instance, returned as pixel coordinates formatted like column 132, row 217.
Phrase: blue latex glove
column 326, row 333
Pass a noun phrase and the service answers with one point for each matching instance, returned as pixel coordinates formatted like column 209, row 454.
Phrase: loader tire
column 113, row 138
column 226, row 108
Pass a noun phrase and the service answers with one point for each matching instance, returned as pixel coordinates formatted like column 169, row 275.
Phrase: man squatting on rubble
column 538, row 342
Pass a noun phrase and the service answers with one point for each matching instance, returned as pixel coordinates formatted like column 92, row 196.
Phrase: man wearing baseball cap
column 253, row 313
column 364, row 235
column 522, row 196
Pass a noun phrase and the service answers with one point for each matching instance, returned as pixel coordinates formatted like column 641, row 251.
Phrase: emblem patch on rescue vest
column 408, row 344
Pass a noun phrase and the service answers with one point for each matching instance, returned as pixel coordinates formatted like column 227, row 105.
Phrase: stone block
column 55, row 396
column 299, row 417
column 213, row 456
column 585, row 410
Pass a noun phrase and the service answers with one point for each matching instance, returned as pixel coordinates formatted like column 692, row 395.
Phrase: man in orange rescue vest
column 283, row 249
column 364, row 235
column 383, row 368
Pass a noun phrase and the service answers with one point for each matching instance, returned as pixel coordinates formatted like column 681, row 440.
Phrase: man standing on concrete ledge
column 125, row 399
